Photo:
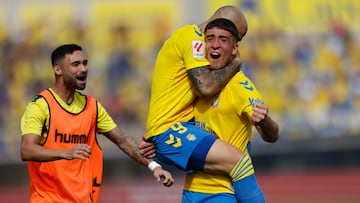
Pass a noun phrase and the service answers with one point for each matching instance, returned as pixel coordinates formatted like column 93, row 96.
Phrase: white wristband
column 152, row 165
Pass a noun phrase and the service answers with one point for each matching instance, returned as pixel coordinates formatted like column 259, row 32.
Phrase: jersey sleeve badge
column 198, row 49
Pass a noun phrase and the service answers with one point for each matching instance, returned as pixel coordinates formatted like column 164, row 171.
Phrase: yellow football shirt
column 172, row 95
column 228, row 115
column 37, row 114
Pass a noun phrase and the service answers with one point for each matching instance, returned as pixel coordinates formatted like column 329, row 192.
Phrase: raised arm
column 208, row 82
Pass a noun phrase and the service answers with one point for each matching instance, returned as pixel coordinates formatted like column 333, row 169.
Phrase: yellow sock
column 242, row 169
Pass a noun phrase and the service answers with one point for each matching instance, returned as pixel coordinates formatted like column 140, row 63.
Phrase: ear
column 235, row 49
column 57, row 69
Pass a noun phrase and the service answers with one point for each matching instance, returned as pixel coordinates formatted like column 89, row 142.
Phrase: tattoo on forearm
column 197, row 75
column 128, row 145
column 210, row 82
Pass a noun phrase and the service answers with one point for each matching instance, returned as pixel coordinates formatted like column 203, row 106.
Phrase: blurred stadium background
column 304, row 57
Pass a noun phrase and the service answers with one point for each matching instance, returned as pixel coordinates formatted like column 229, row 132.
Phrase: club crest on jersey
column 198, row 49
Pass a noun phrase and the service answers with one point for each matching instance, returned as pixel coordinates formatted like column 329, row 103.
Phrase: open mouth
column 81, row 78
column 215, row 55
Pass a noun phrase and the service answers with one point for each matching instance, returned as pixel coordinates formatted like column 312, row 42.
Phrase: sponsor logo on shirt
column 70, row 138
column 255, row 100
column 198, row 49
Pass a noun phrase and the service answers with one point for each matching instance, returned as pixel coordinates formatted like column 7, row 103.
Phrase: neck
column 67, row 95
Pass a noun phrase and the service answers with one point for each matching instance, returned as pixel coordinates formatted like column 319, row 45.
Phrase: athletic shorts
column 197, row 197
column 183, row 145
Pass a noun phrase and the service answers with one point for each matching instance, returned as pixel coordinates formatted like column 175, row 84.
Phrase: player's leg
column 191, row 148
column 225, row 158
column 247, row 190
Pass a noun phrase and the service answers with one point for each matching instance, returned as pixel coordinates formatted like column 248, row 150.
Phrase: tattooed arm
column 128, row 145
column 208, row 82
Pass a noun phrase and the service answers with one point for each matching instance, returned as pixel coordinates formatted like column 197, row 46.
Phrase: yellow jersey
column 172, row 95
column 228, row 115
column 37, row 112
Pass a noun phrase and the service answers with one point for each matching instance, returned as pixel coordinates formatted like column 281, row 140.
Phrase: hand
column 147, row 149
column 260, row 113
column 160, row 173
column 80, row 151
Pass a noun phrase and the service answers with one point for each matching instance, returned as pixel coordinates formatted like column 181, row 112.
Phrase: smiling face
column 73, row 69
column 221, row 47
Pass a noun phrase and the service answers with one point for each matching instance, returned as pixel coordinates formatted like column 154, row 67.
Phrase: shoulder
column 241, row 84
column 37, row 107
column 37, row 97
column 188, row 31
column 102, row 112
column 240, row 78
column 185, row 28
column 37, row 102
column 100, row 106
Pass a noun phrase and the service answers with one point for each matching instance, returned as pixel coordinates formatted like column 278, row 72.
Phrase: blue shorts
column 183, row 145
column 197, row 197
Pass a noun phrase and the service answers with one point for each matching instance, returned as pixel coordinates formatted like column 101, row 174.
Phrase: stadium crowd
column 309, row 80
